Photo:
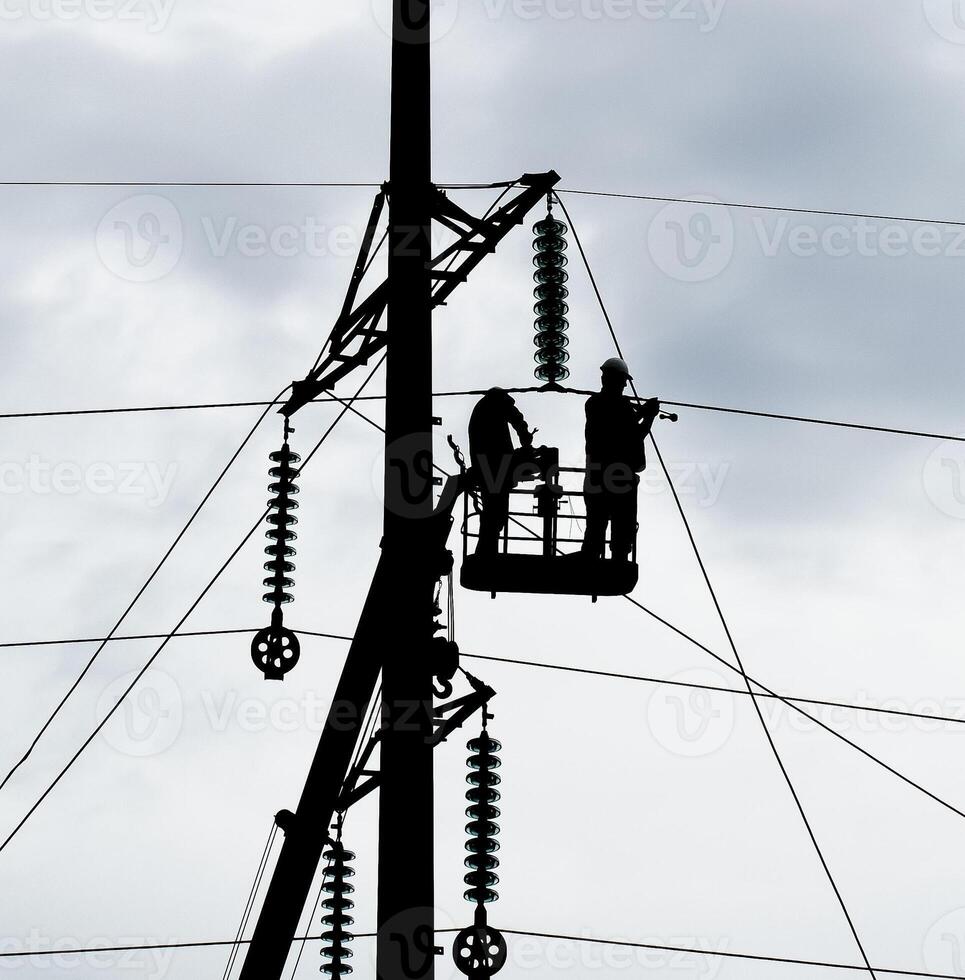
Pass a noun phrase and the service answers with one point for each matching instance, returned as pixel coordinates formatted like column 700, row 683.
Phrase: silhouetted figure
column 615, row 433
column 492, row 462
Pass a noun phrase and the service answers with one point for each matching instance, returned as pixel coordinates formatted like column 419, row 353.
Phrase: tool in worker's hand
column 651, row 407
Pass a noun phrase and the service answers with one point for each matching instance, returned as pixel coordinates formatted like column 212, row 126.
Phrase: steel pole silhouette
column 395, row 628
column 405, row 897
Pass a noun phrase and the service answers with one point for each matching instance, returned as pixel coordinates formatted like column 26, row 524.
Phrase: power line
column 615, row 675
column 769, row 693
column 810, row 420
column 90, row 738
column 815, row 421
column 768, row 207
column 790, row 703
column 156, row 636
column 236, row 183
column 100, row 725
column 880, row 762
column 59, row 413
column 784, row 700
column 157, row 568
column 740, row 956
column 201, row 944
column 730, row 639
column 693, row 685
column 185, row 183
column 596, row 288
column 760, row 714
column 466, row 187
column 593, row 940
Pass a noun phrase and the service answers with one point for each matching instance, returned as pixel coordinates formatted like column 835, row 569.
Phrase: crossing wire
column 137, row 595
column 153, row 636
column 100, row 725
column 730, row 639
column 693, row 685
column 593, row 940
column 790, row 703
column 763, row 693
column 743, row 206
column 670, row 682
column 322, row 400
column 655, row 199
column 750, row 690
column 183, row 183
column 760, row 713
column 784, row 700
column 722, row 660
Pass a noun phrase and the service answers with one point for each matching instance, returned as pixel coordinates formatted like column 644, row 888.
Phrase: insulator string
column 275, row 649
column 338, row 906
column 551, row 292
column 482, row 828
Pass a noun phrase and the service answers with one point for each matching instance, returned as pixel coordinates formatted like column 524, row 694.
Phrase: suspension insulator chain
column 551, row 292
column 337, row 907
column 480, row 951
column 275, row 649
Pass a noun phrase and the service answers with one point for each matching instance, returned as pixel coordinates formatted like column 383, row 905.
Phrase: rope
column 259, row 874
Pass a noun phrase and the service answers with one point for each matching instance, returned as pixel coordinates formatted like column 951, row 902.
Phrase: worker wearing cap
column 615, row 433
column 492, row 461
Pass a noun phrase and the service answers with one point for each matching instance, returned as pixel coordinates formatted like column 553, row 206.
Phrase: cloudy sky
column 632, row 810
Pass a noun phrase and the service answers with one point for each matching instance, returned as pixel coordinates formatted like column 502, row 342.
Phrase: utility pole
column 395, row 628
column 406, row 887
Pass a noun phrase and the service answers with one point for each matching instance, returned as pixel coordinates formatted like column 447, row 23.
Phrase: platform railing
column 547, row 498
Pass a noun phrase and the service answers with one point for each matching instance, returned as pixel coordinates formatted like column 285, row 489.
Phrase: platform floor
column 537, row 574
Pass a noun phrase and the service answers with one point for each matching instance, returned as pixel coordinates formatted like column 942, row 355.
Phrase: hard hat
column 499, row 394
column 617, row 364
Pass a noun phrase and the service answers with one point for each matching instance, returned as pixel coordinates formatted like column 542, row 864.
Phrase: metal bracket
column 356, row 336
column 461, row 710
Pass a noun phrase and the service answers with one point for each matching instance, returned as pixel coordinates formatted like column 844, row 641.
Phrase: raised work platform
column 561, row 575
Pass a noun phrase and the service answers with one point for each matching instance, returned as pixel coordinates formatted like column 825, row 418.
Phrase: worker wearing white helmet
column 618, row 366
column 615, row 433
